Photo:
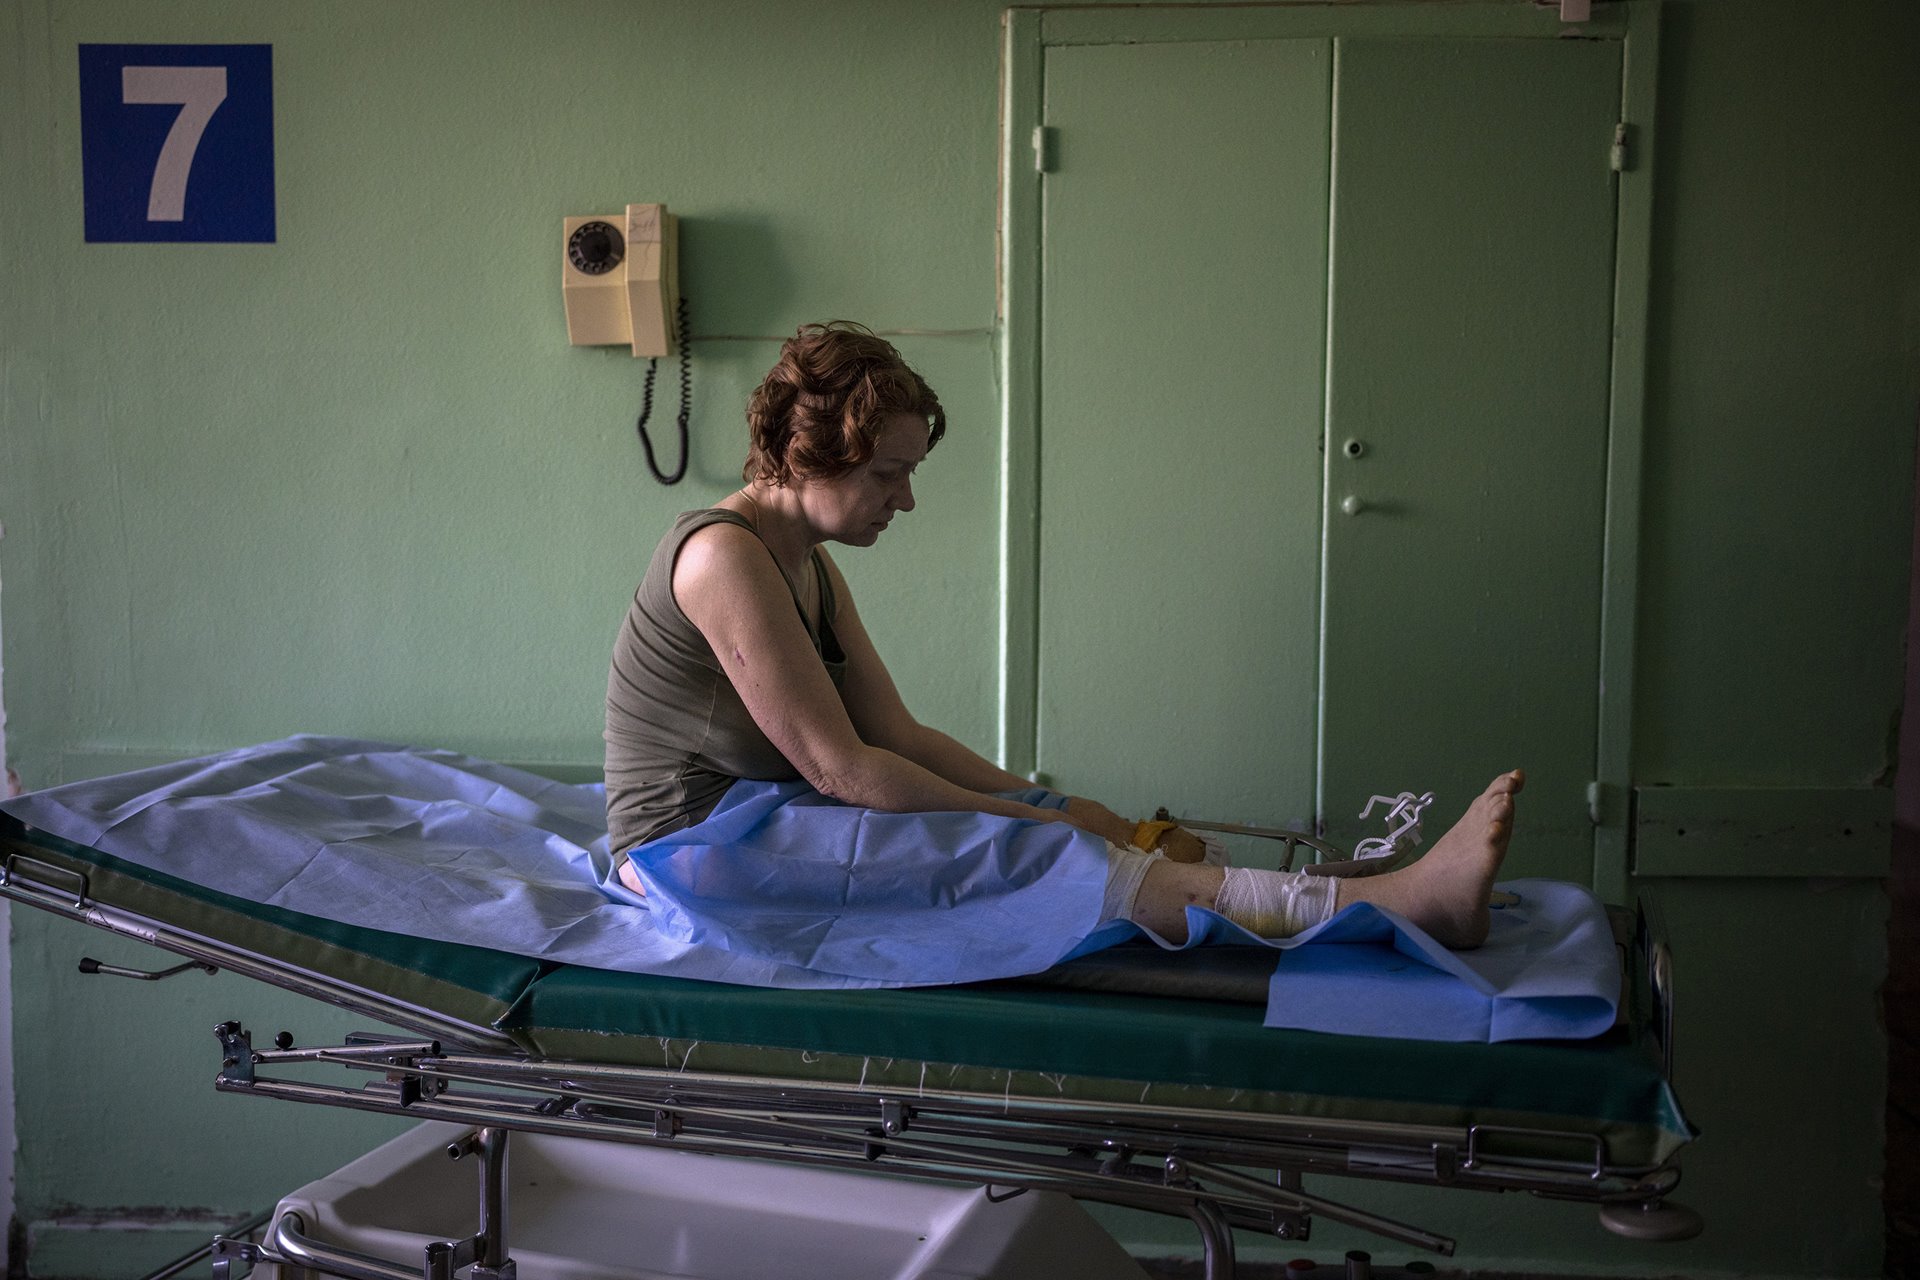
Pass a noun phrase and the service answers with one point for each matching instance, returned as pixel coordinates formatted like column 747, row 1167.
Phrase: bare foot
column 1445, row 892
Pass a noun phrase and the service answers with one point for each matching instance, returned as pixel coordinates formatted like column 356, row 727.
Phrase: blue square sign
column 176, row 142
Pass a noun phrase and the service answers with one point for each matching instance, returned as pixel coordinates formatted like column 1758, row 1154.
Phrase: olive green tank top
column 677, row 733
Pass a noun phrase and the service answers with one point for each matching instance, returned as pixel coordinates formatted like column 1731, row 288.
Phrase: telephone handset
column 620, row 277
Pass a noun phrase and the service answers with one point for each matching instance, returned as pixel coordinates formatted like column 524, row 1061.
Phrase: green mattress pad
column 470, row 985
column 1098, row 1046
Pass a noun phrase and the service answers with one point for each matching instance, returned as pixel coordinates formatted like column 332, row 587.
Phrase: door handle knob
column 1352, row 505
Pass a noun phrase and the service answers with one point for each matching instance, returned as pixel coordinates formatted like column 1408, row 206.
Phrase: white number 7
column 199, row 91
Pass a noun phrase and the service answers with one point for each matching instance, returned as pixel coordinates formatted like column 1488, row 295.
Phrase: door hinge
column 1605, row 807
column 1617, row 157
column 1042, row 149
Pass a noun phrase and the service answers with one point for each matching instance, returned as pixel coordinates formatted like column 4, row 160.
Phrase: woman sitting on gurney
column 743, row 656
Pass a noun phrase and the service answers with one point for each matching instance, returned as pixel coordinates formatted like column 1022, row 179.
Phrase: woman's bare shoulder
column 719, row 543
column 723, row 560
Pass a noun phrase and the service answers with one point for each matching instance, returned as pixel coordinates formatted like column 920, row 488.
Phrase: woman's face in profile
column 856, row 508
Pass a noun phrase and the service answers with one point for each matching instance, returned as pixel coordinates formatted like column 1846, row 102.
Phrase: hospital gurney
column 1079, row 1081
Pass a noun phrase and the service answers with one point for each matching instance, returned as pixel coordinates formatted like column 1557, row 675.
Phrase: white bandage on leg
column 1275, row 904
column 1126, row 872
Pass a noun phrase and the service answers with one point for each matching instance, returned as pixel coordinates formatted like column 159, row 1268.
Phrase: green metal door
column 1471, row 297
column 1183, row 320
column 1325, row 339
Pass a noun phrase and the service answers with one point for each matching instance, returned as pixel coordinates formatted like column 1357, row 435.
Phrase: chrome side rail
column 289, row 1241
column 1656, row 955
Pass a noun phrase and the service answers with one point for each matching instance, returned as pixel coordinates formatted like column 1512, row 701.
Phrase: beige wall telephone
column 620, row 278
column 621, row 281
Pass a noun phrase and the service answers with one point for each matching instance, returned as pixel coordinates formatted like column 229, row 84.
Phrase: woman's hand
column 1178, row 843
column 1091, row 815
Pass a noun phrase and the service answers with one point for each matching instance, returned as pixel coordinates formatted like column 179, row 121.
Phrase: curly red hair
column 818, row 412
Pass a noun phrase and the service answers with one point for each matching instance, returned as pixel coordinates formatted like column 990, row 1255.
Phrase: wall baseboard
column 89, row 1248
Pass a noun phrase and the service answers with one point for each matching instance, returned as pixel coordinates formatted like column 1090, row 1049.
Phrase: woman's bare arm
column 881, row 717
column 728, row 586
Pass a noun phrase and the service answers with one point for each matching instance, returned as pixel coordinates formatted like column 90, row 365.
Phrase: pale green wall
column 356, row 482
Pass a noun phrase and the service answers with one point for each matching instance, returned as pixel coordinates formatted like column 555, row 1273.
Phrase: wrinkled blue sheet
column 779, row 887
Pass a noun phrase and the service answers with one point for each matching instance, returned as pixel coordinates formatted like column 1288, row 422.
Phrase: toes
column 1494, row 805
column 1507, row 783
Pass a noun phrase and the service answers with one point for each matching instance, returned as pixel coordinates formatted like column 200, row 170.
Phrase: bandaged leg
column 1444, row 893
column 1275, row 904
column 1154, row 892
column 1126, row 872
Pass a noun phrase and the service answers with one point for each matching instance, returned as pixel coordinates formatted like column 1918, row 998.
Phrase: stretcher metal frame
column 1222, row 1169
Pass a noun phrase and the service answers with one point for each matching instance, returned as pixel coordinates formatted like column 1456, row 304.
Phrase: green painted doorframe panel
column 1022, row 111
column 1306, row 19
column 1626, row 435
column 1812, row 832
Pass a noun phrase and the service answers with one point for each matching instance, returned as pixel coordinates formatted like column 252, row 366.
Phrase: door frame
column 1025, row 152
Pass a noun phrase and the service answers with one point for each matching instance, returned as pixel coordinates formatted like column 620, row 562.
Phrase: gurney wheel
column 1660, row 1220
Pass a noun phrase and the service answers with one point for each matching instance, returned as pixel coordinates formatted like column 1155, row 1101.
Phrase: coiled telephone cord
column 681, row 336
